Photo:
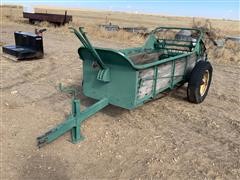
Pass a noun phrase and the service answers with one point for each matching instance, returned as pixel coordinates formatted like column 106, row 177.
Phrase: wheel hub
column 204, row 84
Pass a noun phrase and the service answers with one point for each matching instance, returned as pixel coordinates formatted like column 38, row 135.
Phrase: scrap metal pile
column 113, row 27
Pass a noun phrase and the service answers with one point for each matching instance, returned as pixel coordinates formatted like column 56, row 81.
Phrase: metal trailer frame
column 58, row 19
column 105, row 72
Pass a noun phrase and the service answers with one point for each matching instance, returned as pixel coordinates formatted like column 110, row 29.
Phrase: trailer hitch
column 73, row 121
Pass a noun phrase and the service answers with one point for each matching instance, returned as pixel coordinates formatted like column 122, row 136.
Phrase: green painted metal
column 172, row 76
column 111, row 77
column 72, row 123
column 103, row 74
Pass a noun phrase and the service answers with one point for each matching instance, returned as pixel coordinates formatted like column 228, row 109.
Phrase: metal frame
column 73, row 122
column 102, row 76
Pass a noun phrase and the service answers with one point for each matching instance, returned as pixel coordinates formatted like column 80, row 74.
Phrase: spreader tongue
column 73, row 122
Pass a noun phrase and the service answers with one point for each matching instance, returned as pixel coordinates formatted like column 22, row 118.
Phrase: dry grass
column 11, row 13
column 121, row 36
column 2, row 43
column 230, row 52
column 89, row 19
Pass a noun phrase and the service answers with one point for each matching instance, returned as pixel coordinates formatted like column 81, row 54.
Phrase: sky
column 221, row 9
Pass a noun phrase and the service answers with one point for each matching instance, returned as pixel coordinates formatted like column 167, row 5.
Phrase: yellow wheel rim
column 204, row 84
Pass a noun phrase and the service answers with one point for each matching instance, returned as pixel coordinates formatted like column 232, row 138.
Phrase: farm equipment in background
column 114, row 27
column 109, row 27
column 233, row 38
column 139, row 30
column 169, row 58
column 57, row 19
column 27, row 46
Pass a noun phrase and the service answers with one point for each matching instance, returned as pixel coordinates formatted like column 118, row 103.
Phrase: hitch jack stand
column 73, row 122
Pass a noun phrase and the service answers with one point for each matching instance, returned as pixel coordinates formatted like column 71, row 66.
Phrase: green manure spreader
column 128, row 78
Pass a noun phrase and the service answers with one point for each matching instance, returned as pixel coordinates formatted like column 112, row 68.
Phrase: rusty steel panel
column 52, row 18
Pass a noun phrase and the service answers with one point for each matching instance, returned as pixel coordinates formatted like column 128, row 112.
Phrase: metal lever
column 86, row 43
column 69, row 90
column 104, row 72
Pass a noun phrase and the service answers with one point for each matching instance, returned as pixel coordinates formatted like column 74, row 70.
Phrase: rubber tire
column 195, row 80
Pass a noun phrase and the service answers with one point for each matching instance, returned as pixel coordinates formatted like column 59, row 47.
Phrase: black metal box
column 28, row 46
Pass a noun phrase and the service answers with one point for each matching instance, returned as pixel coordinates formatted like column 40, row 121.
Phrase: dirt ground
column 169, row 138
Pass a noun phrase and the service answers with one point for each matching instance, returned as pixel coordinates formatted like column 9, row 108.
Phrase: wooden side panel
column 179, row 69
column 146, row 81
column 191, row 62
column 164, row 76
